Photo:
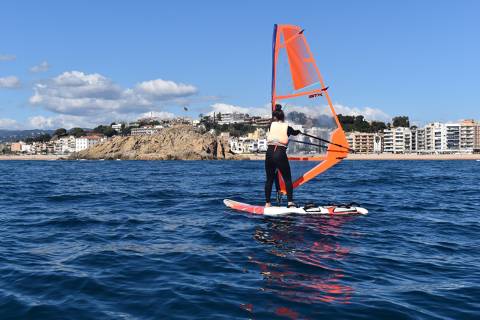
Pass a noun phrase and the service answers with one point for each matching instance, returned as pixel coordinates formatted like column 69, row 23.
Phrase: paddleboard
column 333, row 210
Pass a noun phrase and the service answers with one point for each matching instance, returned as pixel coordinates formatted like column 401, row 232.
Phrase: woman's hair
column 278, row 113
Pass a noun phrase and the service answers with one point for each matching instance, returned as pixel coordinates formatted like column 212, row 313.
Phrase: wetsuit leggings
column 276, row 158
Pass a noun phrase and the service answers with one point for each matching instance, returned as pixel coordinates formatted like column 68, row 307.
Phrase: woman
column 276, row 158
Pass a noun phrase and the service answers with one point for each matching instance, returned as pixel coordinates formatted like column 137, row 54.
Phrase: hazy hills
column 15, row 135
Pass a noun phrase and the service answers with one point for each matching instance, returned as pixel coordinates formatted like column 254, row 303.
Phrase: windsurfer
column 276, row 157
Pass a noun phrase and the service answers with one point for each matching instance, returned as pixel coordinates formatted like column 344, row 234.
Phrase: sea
column 153, row 240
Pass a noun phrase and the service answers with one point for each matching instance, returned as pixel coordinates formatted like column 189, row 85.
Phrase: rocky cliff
column 175, row 143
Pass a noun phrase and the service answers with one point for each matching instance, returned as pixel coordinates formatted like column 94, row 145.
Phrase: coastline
column 389, row 156
column 261, row 156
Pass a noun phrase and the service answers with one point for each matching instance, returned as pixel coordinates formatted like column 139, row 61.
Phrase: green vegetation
column 401, row 121
column 60, row 132
column 105, row 130
column 358, row 123
column 148, row 122
column 40, row 138
column 77, row 132
column 125, row 130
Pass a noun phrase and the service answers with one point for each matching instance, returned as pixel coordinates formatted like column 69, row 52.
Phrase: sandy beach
column 261, row 156
column 388, row 156
column 31, row 157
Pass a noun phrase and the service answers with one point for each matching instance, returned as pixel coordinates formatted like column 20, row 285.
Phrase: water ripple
column 152, row 240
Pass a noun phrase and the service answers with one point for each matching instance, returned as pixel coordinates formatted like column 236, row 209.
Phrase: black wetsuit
column 276, row 158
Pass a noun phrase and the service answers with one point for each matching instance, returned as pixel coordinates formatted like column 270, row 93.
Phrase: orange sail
column 299, row 87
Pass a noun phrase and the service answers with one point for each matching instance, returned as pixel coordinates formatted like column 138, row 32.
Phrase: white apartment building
column 247, row 145
column 435, row 138
column 447, row 137
column 26, row 148
column 65, row 145
column 234, row 117
column 397, row 140
column 262, row 145
column 86, row 142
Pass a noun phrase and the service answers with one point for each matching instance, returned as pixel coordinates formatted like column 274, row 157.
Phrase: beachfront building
column 86, row 142
column 26, row 148
column 247, row 145
column 262, row 145
column 65, row 145
column 413, row 139
column 43, row 147
column 467, row 135
column 16, row 147
column 397, row 140
column 363, row 142
column 420, row 139
column 452, row 138
column 435, row 138
column 439, row 137
column 476, row 138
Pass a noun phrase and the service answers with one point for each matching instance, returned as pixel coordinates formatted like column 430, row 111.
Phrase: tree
column 105, row 130
column 77, row 132
column 401, row 121
column 378, row 126
column 40, row 138
column 358, row 123
column 126, row 130
column 60, row 132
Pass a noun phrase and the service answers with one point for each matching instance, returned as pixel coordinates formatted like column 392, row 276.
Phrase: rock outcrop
column 175, row 143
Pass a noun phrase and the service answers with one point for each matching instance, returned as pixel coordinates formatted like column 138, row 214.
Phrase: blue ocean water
column 153, row 240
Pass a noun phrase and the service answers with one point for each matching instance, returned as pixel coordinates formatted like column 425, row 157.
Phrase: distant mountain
column 15, row 135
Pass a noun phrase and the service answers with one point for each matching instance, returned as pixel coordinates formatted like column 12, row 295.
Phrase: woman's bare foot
column 268, row 204
column 291, row 205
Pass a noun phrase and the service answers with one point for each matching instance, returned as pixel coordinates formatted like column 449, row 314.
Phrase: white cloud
column 165, row 88
column 229, row 108
column 7, row 57
column 42, row 67
column 9, row 82
column 64, row 121
column 156, row 114
column 6, row 123
column 81, row 94
column 71, row 121
column 368, row 112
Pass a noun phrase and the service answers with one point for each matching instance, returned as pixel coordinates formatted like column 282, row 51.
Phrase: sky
column 83, row 63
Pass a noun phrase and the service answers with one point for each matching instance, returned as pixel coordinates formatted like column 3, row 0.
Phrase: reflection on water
column 303, row 261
